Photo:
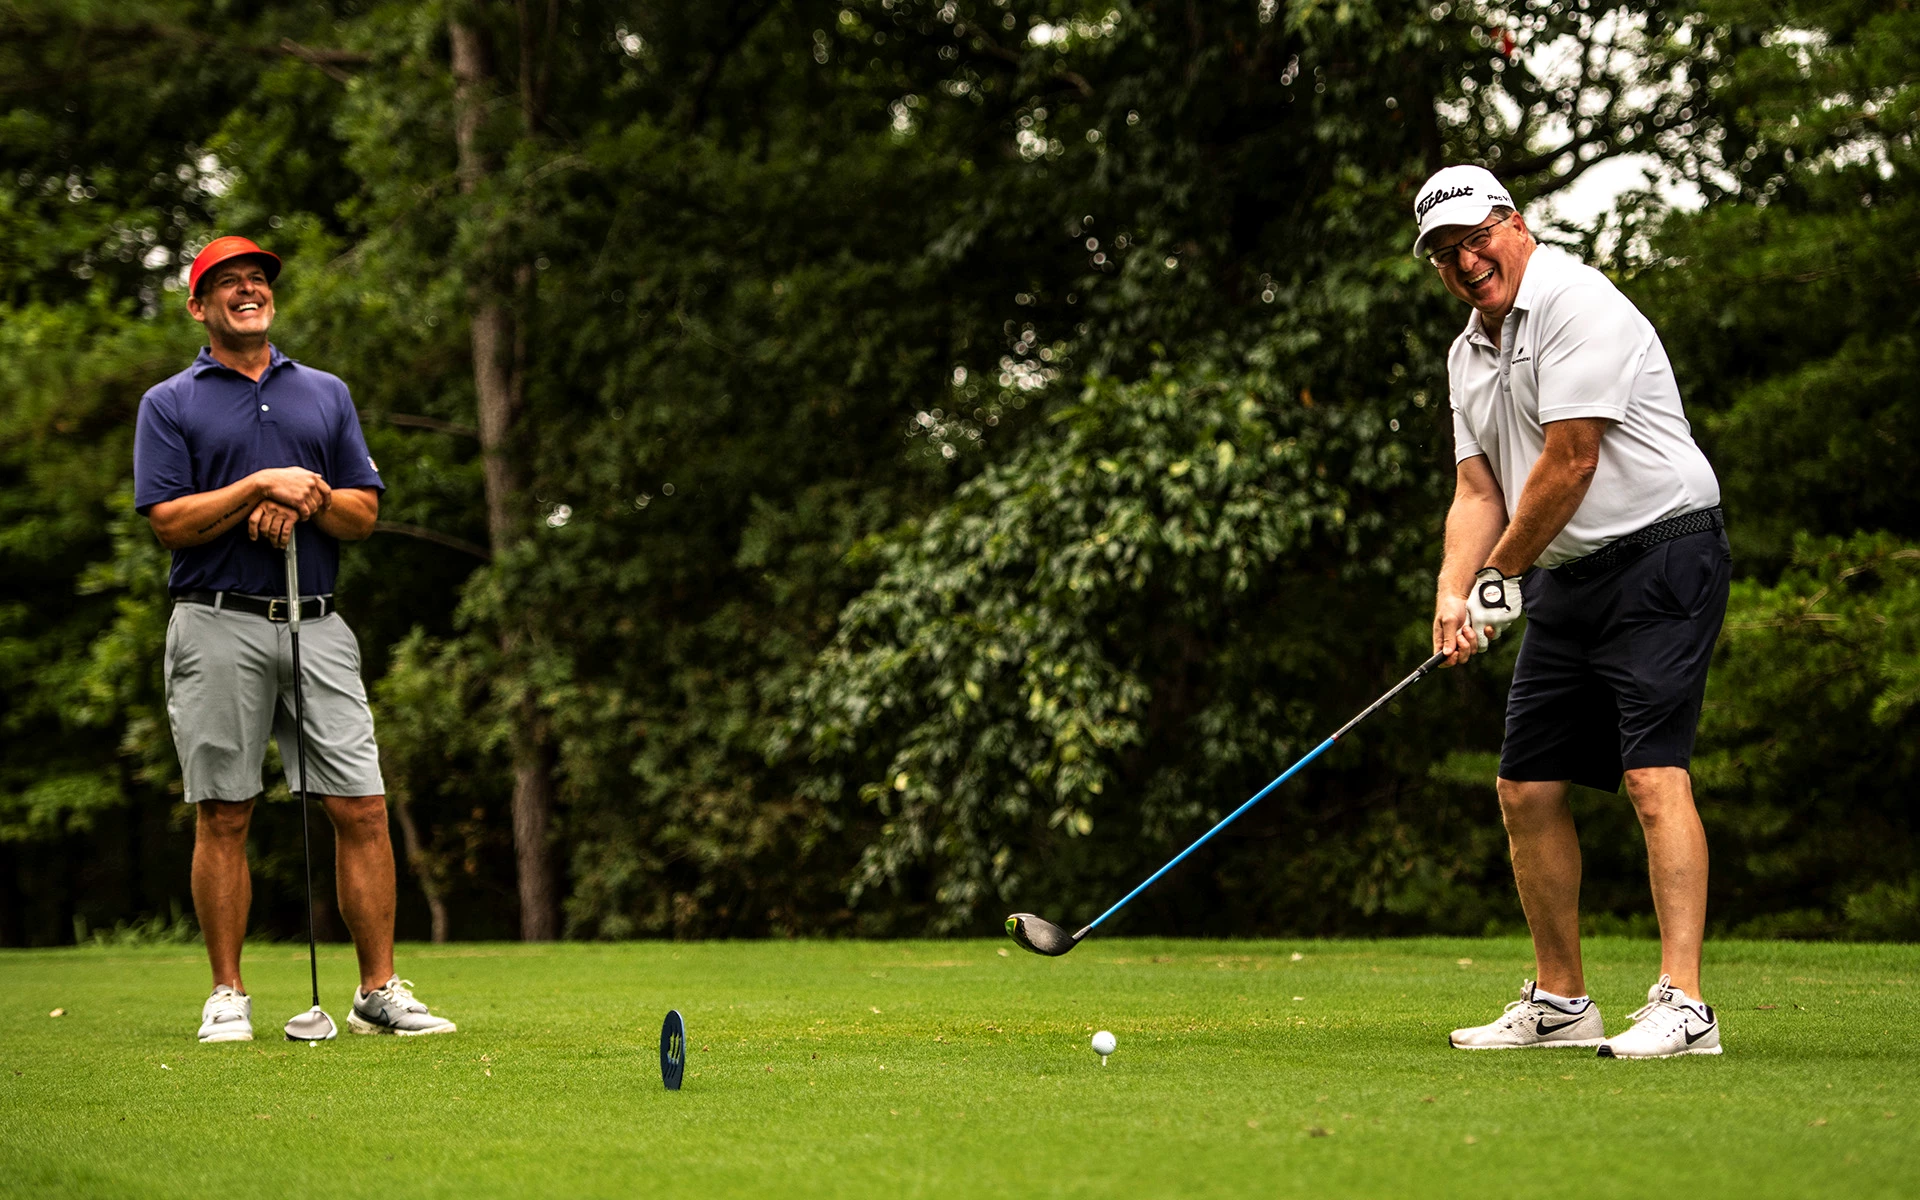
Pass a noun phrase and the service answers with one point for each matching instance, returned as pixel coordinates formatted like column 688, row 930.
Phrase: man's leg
column 222, row 885
column 363, row 876
column 1676, row 866
column 1546, row 868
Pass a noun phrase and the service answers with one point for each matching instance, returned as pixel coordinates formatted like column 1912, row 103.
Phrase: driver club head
column 313, row 1025
column 1041, row 935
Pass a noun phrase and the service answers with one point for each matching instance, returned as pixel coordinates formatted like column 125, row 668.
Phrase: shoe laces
column 225, row 1005
column 1526, row 1008
column 399, row 993
column 1661, row 1016
column 1659, row 996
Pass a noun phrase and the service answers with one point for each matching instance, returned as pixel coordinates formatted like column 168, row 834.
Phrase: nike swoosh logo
column 1543, row 1028
column 1693, row 1037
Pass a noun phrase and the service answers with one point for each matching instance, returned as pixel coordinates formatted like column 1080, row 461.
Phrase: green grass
column 952, row 1068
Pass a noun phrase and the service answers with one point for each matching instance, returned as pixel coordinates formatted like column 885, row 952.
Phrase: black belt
column 273, row 608
column 1625, row 550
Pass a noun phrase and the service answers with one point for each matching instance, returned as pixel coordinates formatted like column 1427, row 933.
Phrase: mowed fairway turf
column 901, row 1069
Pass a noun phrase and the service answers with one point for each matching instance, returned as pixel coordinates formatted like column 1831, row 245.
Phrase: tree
column 751, row 378
column 106, row 179
column 1788, row 308
column 1199, row 566
column 499, row 377
column 1788, row 305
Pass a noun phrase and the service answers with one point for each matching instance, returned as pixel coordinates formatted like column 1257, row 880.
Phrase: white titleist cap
column 1456, row 196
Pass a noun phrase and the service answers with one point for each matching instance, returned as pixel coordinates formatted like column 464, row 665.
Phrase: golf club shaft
column 300, row 752
column 1262, row 794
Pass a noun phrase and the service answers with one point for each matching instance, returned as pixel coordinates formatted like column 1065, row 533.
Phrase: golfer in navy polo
column 1582, row 501
column 229, row 455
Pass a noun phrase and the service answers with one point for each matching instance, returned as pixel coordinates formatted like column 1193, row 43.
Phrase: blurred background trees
column 861, row 467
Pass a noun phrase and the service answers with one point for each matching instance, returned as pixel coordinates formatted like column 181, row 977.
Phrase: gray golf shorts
column 230, row 684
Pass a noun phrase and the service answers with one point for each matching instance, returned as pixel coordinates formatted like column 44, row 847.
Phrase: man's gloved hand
column 1493, row 603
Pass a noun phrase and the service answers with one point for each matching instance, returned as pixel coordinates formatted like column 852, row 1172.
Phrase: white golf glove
column 1493, row 601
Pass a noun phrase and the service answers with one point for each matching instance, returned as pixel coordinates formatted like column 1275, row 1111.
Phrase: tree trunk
column 497, row 385
column 422, row 867
column 419, row 859
column 533, row 762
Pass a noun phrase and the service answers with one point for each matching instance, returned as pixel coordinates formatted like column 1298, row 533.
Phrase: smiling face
column 1487, row 278
column 235, row 303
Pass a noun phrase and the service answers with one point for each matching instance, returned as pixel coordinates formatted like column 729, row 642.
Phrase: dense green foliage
column 962, row 447
column 1825, row 666
column 1790, row 312
column 1111, row 634
column 856, row 1069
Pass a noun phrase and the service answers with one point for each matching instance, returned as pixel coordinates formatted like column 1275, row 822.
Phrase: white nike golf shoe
column 1670, row 1024
column 392, row 1009
column 1529, row 1023
column 227, row 1016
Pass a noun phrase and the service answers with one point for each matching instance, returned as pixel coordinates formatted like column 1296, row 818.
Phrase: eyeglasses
column 1476, row 241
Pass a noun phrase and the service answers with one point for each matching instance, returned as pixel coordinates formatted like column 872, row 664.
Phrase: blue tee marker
column 673, row 1050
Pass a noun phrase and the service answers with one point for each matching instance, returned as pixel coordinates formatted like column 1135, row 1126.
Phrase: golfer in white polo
column 1580, row 500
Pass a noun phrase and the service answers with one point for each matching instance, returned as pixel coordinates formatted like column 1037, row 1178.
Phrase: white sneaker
column 227, row 1016
column 393, row 1010
column 1528, row 1023
column 1672, row 1023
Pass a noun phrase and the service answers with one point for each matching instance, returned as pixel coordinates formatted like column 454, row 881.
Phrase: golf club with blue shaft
column 1044, row 937
column 313, row 1025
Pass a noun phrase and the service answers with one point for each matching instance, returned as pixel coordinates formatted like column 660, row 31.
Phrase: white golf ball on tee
column 1103, row 1044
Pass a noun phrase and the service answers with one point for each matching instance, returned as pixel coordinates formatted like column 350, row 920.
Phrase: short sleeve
column 162, row 464
column 353, row 466
column 1465, row 445
column 1589, row 351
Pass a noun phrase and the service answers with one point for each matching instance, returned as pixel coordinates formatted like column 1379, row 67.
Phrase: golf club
column 1044, row 937
column 313, row 1025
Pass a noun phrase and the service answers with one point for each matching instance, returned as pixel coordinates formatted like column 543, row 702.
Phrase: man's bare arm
column 351, row 515
column 1555, row 487
column 197, row 519
column 1474, row 524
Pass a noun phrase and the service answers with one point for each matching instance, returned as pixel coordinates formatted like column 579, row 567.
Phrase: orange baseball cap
column 221, row 249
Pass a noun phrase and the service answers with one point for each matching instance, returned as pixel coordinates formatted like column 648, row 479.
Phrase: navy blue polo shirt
column 210, row 426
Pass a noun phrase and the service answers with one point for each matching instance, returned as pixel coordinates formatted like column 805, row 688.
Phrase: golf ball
column 1103, row 1043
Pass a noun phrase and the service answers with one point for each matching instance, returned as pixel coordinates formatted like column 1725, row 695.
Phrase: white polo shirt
column 1574, row 346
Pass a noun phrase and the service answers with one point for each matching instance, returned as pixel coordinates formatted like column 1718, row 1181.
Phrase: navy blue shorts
column 1612, row 670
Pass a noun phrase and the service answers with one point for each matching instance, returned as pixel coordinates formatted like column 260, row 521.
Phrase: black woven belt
column 273, row 608
column 1624, row 550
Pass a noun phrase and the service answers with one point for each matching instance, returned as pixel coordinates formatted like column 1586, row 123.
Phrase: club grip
column 293, row 584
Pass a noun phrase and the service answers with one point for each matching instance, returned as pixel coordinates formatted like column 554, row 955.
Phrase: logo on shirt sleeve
column 373, row 464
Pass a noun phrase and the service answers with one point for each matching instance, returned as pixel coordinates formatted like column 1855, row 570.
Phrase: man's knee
column 1660, row 793
column 358, row 818
column 222, row 820
column 1528, row 805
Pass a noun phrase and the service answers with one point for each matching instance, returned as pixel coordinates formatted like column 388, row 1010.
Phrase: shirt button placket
column 1507, row 328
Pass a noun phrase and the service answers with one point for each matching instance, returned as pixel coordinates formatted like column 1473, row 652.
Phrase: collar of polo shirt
column 205, row 361
column 1533, row 278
